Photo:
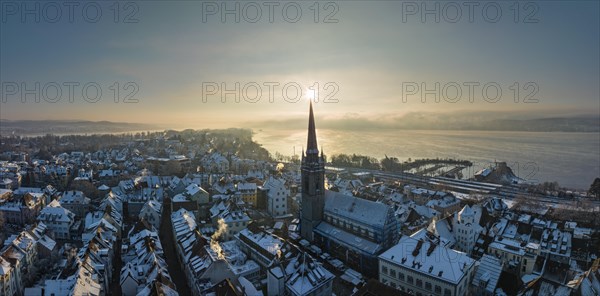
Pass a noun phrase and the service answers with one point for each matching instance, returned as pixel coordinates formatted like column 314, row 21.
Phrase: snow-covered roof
column 357, row 209
column 266, row 241
column 466, row 211
column 192, row 189
column 246, row 186
column 508, row 245
column 488, row 272
column 305, row 275
column 74, row 197
column 152, row 205
column 425, row 257
column 55, row 212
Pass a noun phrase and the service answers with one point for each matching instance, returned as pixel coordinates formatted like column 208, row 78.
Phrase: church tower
column 313, row 183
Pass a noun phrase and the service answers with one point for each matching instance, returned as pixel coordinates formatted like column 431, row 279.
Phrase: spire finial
column 311, row 145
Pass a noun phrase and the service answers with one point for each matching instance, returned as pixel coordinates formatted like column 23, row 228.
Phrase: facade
column 466, row 229
column 516, row 257
column 10, row 277
column 419, row 265
column 247, row 192
column 151, row 212
column 356, row 230
column 277, row 196
column 23, row 209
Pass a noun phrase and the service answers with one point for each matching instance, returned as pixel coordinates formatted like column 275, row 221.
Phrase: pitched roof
column 354, row 208
column 425, row 257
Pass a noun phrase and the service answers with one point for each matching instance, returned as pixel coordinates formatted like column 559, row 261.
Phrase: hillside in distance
column 39, row 127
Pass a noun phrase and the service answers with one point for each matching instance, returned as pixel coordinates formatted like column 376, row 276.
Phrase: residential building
column 76, row 202
column 10, row 277
column 466, row 228
column 151, row 212
column 247, row 192
column 419, row 265
column 277, row 196
column 487, row 275
column 58, row 219
column 515, row 256
column 300, row 275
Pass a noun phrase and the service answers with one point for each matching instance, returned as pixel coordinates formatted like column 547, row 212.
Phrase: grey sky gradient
column 369, row 53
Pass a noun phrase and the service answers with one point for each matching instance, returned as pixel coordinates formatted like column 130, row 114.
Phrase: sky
column 372, row 58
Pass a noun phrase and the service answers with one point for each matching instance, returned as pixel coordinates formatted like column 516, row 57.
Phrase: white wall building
column 151, row 212
column 277, row 197
column 419, row 265
column 58, row 219
column 467, row 228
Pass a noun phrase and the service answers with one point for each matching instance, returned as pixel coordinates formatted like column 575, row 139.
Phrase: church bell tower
column 313, row 183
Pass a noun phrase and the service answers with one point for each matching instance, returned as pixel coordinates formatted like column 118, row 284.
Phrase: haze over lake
column 572, row 159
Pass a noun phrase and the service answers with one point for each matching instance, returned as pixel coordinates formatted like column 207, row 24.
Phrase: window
column 447, row 292
column 428, row 286
column 409, row 279
column 384, row 269
column 419, row 283
column 401, row 276
column 392, row 273
column 438, row 289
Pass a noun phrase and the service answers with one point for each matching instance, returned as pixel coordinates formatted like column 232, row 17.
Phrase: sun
column 311, row 95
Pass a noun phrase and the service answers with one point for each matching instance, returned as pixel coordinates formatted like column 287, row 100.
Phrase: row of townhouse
column 19, row 254
column 206, row 264
column 23, row 209
column 144, row 266
column 90, row 269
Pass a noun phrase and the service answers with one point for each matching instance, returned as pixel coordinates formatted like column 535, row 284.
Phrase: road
column 166, row 239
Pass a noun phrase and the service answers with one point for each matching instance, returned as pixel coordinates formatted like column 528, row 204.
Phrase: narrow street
column 166, row 238
column 116, row 273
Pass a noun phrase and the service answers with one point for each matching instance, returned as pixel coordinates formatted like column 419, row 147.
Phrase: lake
column 572, row 159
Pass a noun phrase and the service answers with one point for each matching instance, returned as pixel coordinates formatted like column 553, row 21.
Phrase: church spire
column 311, row 145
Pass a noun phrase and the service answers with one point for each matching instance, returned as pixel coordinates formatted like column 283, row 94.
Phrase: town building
column 58, row 219
column 76, row 202
column 418, row 265
column 277, row 196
